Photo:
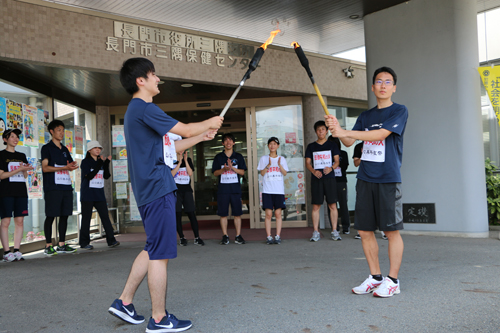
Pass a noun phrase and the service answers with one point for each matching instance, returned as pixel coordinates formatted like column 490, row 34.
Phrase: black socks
column 378, row 277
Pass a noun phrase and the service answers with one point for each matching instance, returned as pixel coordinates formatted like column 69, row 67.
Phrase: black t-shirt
column 57, row 157
column 344, row 163
column 90, row 189
column 14, row 186
column 320, row 153
column 358, row 150
column 227, row 182
column 180, row 176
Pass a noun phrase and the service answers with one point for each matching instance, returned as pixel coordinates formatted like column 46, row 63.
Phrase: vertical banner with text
column 490, row 76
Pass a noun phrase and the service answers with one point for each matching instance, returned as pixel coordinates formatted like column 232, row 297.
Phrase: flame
column 295, row 45
column 270, row 39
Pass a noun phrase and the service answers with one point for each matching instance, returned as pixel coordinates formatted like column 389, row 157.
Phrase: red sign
column 291, row 137
column 299, row 176
column 301, row 186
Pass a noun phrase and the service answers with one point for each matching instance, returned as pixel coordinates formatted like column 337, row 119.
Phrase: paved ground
column 447, row 285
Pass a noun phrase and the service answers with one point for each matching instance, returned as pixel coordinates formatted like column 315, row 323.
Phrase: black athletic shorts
column 185, row 199
column 378, row 206
column 321, row 188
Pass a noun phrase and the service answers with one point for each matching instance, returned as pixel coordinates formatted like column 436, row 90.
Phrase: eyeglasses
column 387, row 83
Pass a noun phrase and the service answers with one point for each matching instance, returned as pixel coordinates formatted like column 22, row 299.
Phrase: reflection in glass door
column 285, row 123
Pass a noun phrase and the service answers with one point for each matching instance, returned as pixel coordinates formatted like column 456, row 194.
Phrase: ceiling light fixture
column 354, row 17
column 186, row 85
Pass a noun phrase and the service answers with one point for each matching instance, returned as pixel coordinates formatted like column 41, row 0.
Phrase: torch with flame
column 305, row 63
column 251, row 67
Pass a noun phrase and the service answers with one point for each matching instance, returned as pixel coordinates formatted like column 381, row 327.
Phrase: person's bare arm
column 357, row 161
column 185, row 144
column 318, row 174
column 348, row 138
column 177, row 167
column 193, row 129
column 23, row 168
column 69, row 166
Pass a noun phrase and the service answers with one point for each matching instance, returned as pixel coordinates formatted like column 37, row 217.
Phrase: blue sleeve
column 397, row 121
column 158, row 120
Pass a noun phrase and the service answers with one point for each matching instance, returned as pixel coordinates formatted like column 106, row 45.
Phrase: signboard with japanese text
column 79, row 139
column 30, row 125
column 68, row 140
column 15, row 118
column 490, row 76
column 118, row 134
column 121, row 190
column 120, row 171
column 419, row 213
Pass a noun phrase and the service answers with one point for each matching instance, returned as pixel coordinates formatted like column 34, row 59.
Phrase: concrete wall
column 432, row 46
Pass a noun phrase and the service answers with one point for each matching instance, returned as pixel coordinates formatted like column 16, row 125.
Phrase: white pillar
column 432, row 46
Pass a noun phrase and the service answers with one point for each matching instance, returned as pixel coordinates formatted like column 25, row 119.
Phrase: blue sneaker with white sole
column 169, row 323
column 125, row 312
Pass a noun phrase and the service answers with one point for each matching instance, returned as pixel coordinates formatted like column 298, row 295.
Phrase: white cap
column 93, row 144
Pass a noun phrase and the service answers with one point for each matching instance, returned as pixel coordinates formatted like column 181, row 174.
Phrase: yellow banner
column 490, row 76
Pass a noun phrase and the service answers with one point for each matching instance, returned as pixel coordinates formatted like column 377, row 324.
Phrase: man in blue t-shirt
column 322, row 157
column 378, row 190
column 229, row 166
column 150, row 160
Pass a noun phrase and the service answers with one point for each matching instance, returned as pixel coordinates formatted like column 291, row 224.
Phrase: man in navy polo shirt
column 150, row 160
column 229, row 166
column 57, row 163
column 378, row 190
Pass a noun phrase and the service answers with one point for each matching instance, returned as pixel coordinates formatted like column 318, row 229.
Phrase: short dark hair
column 55, row 123
column 335, row 140
column 385, row 70
column 132, row 69
column 228, row 136
column 318, row 124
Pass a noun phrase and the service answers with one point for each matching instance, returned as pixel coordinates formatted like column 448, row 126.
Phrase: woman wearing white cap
column 95, row 168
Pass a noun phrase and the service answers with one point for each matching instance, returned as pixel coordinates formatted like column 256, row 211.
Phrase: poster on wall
column 41, row 126
column 15, row 118
column 122, row 155
column 121, row 190
column 134, row 211
column 78, row 139
column 68, row 140
column 30, row 125
column 3, row 115
column 118, row 134
column 78, row 176
column 46, row 120
column 35, row 190
column 120, row 171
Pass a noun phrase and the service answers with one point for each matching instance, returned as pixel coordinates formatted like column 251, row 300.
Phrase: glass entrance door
column 285, row 123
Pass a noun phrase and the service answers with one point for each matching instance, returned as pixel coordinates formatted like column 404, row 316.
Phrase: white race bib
column 18, row 177
column 338, row 172
column 182, row 177
column 274, row 174
column 322, row 159
column 373, row 151
column 168, row 147
column 98, row 180
column 229, row 177
column 62, row 177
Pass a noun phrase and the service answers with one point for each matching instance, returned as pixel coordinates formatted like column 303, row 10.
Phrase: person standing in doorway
column 57, row 163
column 182, row 173
column 229, row 166
column 94, row 169
column 378, row 190
column 273, row 168
column 322, row 157
column 14, row 169
column 150, row 162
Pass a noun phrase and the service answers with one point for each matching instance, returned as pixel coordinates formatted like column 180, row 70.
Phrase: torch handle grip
column 321, row 99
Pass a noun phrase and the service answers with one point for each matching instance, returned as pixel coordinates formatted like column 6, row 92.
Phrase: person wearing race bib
column 14, row 169
column 229, row 166
column 150, row 163
column 57, row 163
column 378, row 189
column 273, row 168
column 182, row 173
column 94, row 169
column 341, row 179
column 322, row 157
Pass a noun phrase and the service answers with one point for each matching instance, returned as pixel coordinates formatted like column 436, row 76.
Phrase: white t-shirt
column 273, row 180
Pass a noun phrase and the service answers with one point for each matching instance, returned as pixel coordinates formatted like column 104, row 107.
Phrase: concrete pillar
column 103, row 135
column 432, row 46
column 313, row 111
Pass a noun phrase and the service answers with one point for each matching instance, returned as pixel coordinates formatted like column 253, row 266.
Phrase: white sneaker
column 387, row 288
column 19, row 256
column 369, row 285
column 384, row 236
column 335, row 235
column 9, row 257
column 315, row 237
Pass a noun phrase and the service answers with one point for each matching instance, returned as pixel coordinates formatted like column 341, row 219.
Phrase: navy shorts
column 13, row 205
column 58, row 203
column 378, row 205
column 273, row 201
column 323, row 188
column 223, row 202
column 158, row 218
